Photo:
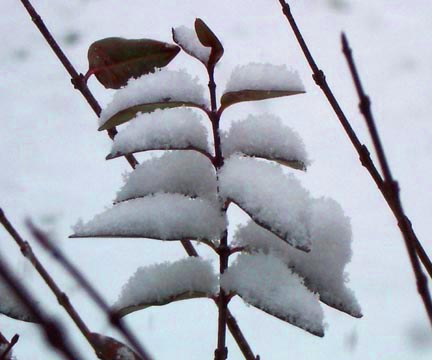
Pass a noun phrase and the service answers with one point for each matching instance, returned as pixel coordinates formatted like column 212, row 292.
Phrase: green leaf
column 115, row 60
column 109, row 348
column 178, row 297
column 128, row 114
column 233, row 97
column 209, row 39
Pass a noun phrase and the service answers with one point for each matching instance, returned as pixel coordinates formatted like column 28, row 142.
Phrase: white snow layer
column 189, row 42
column 178, row 128
column 264, row 136
column 272, row 199
column 324, row 266
column 263, row 280
column 187, row 173
column 162, row 282
column 255, row 76
column 162, row 85
column 10, row 306
column 160, row 216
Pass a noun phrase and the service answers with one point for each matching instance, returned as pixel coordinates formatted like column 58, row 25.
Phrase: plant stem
column 362, row 150
column 79, row 82
column 391, row 185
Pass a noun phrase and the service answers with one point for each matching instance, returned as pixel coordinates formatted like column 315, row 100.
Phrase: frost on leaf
column 163, row 283
column 109, row 348
column 323, row 268
column 186, row 173
column 12, row 307
column 256, row 81
column 162, row 89
column 272, row 199
column 160, row 216
column 188, row 40
column 267, row 137
column 176, row 129
column 264, row 281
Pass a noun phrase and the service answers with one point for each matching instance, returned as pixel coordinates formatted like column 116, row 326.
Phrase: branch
column 390, row 184
column 79, row 277
column 53, row 332
column 9, row 346
column 362, row 150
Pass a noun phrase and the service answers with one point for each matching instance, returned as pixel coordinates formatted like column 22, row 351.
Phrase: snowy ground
column 53, row 168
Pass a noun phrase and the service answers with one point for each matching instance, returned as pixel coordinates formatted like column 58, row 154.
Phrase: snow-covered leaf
column 209, row 39
column 115, row 60
column 12, row 307
column 188, row 40
column 323, row 268
column 255, row 81
column 265, row 136
column 160, row 216
column 272, row 199
column 264, row 281
column 186, row 173
column 112, row 349
column 175, row 129
column 162, row 89
column 164, row 283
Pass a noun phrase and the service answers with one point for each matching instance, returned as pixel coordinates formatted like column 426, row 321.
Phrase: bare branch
column 362, row 150
column 391, row 185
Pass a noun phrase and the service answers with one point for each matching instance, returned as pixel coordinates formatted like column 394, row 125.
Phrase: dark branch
column 391, row 186
column 361, row 149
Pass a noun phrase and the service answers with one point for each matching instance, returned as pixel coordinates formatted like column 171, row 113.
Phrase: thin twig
column 86, row 285
column 389, row 182
column 53, row 332
column 9, row 346
column 362, row 150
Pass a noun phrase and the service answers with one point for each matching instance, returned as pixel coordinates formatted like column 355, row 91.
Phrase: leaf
column 209, row 39
column 264, row 281
column 12, row 307
column 178, row 297
column 125, row 115
column 109, row 348
column 115, row 60
column 234, row 97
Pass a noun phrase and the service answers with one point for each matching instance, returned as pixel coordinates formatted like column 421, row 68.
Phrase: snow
column 273, row 200
column 178, row 128
column 12, row 307
column 189, row 42
column 324, row 266
column 186, row 173
column 256, row 76
column 163, row 85
column 160, row 283
column 124, row 353
column 264, row 281
column 160, row 216
column 264, row 136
